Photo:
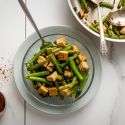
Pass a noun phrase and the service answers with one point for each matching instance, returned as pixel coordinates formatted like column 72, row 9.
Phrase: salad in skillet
column 58, row 69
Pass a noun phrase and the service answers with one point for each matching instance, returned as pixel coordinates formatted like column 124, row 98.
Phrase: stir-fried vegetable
column 115, row 32
column 58, row 69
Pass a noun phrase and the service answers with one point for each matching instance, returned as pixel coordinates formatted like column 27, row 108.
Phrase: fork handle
column 103, row 46
column 26, row 11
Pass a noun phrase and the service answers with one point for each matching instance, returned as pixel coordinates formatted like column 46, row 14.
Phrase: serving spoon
column 26, row 11
column 117, row 18
column 103, row 46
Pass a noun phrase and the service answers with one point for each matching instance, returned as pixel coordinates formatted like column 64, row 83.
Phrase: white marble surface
column 107, row 107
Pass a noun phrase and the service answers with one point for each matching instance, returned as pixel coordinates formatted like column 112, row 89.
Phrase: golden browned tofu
column 82, row 57
column 43, row 90
column 50, row 64
column 49, row 68
column 47, row 58
column 62, row 55
column 75, row 48
column 67, row 73
column 122, row 31
column 42, row 59
column 65, row 92
column 83, row 66
column 81, row 13
column 52, row 77
column 61, row 42
column 53, row 91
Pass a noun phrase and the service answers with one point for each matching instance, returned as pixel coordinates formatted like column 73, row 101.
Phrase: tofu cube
column 61, row 42
column 50, row 64
column 65, row 92
column 42, row 59
column 122, row 31
column 49, row 68
column 75, row 49
column 52, row 77
column 67, row 73
column 81, row 13
column 83, row 66
column 43, row 90
column 82, row 57
column 53, row 91
column 48, row 58
column 62, row 55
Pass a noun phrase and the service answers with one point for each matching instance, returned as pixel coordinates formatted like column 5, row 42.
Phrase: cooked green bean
column 122, row 36
column 93, row 28
column 75, row 69
column 71, row 85
column 74, row 91
column 38, row 54
column 43, row 73
column 56, row 63
column 83, row 82
column 107, row 5
column 116, row 31
column 84, row 5
column 39, row 79
column 35, row 66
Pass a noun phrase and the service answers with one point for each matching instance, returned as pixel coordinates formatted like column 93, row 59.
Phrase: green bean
column 56, row 63
column 74, row 91
column 116, row 31
column 122, row 36
column 45, row 44
column 107, row 5
column 69, row 47
column 110, row 26
column 37, row 65
column 75, row 69
column 57, row 49
column 106, row 17
column 70, row 51
column 107, row 35
column 38, row 79
column 43, row 73
column 84, row 5
column 71, row 85
column 83, row 82
column 49, row 50
column 93, row 28
column 114, row 37
column 38, row 54
column 64, row 64
column 109, row 32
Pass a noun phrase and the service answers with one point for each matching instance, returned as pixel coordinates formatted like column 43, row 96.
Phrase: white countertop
column 107, row 107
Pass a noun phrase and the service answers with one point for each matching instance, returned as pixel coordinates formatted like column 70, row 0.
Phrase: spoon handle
column 26, row 11
column 103, row 46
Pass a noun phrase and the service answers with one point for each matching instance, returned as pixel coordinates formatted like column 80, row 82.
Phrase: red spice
column 2, row 102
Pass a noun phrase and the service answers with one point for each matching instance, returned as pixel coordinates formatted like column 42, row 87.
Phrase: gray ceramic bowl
column 55, row 105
